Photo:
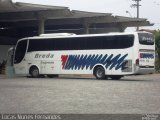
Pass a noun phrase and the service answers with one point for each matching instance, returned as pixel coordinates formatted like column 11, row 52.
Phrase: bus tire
column 34, row 72
column 116, row 77
column 99, row 72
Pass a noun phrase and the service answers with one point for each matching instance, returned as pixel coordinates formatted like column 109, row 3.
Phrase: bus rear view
column 145, row 63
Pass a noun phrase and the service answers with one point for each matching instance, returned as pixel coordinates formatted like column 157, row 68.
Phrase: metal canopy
column 9, row 6
column 21, row 18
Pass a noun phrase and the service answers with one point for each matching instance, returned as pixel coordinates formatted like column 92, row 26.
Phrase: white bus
column 103, row 55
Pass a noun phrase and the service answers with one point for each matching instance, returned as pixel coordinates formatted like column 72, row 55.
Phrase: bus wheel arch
column 99, row 72
column 34, row 71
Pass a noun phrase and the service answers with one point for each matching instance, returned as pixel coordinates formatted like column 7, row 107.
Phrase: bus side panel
column 124, row 64
column 47, row 62
column 83, row 62
column 76, row 62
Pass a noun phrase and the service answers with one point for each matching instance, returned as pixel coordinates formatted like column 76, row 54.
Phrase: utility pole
column 137, row 5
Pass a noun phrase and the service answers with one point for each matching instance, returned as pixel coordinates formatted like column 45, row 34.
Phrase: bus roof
column 68, row 35
column 56, row 34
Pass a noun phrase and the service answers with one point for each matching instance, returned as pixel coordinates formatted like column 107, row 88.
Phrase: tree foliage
column 157, row 41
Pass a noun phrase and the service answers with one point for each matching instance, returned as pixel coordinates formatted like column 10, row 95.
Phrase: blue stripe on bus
column 77, row 62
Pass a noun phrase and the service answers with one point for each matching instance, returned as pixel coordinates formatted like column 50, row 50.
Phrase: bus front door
column 20, row 63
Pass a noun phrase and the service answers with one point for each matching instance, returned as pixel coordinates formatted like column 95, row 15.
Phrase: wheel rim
column 35, row 73
column 100, row 73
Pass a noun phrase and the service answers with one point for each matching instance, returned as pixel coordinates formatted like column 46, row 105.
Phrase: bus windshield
column 20, row 51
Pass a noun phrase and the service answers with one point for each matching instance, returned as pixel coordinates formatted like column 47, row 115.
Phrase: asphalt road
column 132, row 94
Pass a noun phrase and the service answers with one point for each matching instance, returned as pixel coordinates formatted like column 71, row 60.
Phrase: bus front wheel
column 34, row 72
column 99, row 72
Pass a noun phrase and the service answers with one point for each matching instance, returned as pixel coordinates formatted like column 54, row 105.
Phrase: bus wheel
column 99, row 72
column 34, row 72
column 116, row 77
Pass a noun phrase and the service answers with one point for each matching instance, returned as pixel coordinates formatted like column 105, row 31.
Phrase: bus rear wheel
column 34, row 72
column 99, row 73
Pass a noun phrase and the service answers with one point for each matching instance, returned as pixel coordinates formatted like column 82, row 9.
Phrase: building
column 18, row 20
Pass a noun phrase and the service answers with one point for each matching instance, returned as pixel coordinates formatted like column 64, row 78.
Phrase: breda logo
column 49, row 55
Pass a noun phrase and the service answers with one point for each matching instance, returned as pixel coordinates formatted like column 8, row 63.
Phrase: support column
column 41, row 26
column 121, row 27
column 86, row 27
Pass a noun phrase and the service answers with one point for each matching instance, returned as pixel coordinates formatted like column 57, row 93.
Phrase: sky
column 149, row 9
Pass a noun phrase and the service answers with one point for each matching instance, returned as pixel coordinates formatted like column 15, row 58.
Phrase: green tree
column 157, row 40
